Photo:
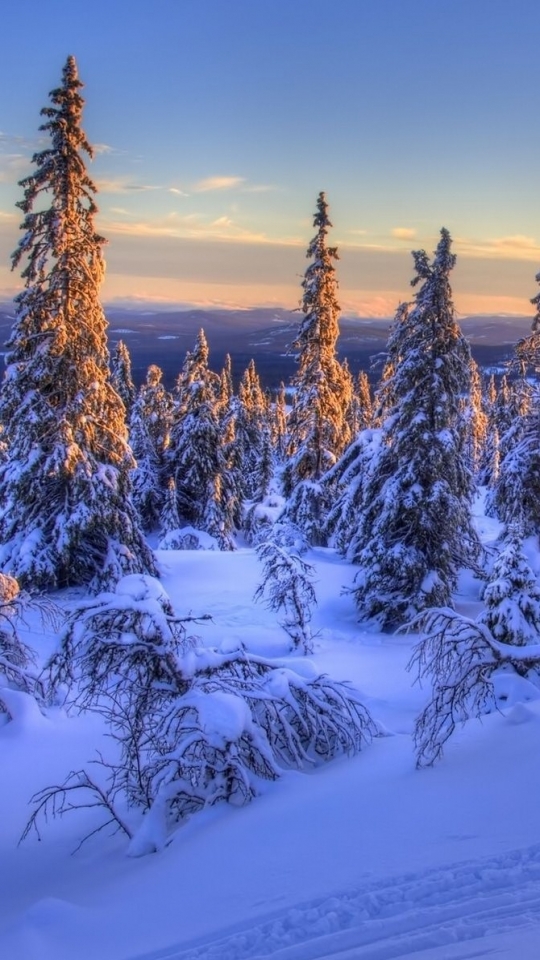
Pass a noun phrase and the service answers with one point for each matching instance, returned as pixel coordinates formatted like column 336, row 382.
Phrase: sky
column 216, row 123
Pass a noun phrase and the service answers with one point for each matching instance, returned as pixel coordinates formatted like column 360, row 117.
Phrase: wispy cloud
column 192, row 225
column 403, row 233
column 103, row 148
column 514, row 247
column 123, row 185
column 260, row 188
column 218, row 183
column 13, row 166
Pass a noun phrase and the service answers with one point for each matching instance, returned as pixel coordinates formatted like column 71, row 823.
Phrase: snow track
column 429, row 913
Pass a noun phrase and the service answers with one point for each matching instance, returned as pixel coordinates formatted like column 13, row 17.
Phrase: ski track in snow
column 396, row 917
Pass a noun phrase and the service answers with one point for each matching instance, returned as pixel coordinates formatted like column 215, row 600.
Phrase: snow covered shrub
column 18, row 671
column 288, row 587
column 194, row 726
column 462, row 659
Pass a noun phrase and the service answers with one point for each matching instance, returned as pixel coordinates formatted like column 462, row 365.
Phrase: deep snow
column 362, row 858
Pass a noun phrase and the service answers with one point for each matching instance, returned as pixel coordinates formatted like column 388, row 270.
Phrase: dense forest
column 96, row 471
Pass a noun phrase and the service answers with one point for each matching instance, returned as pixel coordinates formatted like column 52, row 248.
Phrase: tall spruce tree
column 66, row 516
column 317, row 428
column 414, row 526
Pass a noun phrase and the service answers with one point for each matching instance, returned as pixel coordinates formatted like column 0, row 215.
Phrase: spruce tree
column 414, row 526
column 317, row 429
column 121, row 377
column 149, row 434
column 512, row 595
column 477, row 419
column 489, row 462
column 66, row 515
column 199, row 451
column 514, row 496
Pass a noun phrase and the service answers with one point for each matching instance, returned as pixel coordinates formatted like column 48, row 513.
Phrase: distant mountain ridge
column 163, row 336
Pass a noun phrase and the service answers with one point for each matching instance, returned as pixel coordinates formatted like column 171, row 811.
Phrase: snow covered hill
column 361, row 858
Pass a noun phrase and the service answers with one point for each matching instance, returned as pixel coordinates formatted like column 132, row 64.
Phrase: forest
column 100, row 481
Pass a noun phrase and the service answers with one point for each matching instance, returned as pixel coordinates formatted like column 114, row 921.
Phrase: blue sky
column 217, row 122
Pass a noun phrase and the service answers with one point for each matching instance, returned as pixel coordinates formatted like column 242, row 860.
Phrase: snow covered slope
column 362, row 858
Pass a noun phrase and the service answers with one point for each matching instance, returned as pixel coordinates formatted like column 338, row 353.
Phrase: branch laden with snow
column 193, row 726
column 460, row 657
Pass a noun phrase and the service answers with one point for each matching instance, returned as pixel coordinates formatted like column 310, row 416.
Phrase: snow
column 365, row 858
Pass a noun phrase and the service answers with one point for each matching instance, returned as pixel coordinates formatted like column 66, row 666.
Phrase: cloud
column 189, row 226
column 178, row 192
column 514, row 247
column 403, row 233
column 260, row 188
column 13, row 166
column 123, row 185
column 218, row 183
column 101, row 148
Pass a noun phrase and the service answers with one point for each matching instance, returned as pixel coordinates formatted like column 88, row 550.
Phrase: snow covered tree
column 252, row 433
column 199, row 455
column 226, row 389
column 489, row 461
column 512, row 595
column 317, row 428
column 195, row 726
column 287, row 586
column 171, row 533
column 66, row 514
column 195, row 375
column 359, row 411
column 149, row 434
column 414, row 528
column 477, row 420
column 278, row 423
column 121, row 377
column 344, row 487
column 515, row 493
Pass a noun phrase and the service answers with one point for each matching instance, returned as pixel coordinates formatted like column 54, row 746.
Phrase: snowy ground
column 364, row 858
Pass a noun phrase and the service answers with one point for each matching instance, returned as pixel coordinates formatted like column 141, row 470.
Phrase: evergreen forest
column 102, row 481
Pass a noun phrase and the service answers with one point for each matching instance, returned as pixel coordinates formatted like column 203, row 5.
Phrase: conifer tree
column 121, row 376
column 199, row 451
column 512, row 595
column 515, row 494
column 251, row 432
column 278, row 422
column 359, row 411
column 150, row 428
column 226, row 389
column 195, row 371
column 489, row 462
column 477, row 419
column 66, row 515
column 414, row 526
column 316, row 425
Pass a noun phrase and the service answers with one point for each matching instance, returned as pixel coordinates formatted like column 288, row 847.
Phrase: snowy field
column 362, row 858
